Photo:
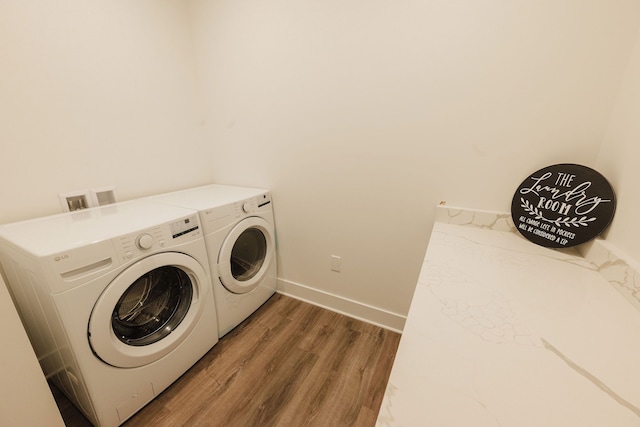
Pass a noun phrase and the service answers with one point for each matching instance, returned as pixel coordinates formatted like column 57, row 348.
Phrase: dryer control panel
column 252, row 205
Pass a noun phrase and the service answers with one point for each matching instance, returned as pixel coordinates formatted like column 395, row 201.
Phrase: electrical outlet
column 336, row 263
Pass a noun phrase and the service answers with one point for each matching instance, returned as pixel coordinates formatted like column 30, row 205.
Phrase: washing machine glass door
column 246, row 254
column 148, row 310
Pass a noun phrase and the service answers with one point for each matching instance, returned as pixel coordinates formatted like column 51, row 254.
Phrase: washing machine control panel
column 184, row 226
column 133, row 245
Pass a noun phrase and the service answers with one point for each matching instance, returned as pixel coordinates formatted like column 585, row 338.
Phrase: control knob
column 144, row 241
column 246, row 207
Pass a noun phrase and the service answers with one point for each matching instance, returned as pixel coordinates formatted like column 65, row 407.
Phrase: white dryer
column 240, row 236
column 116, row 301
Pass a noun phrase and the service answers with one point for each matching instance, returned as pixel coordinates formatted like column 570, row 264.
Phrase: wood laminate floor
column 289, row 364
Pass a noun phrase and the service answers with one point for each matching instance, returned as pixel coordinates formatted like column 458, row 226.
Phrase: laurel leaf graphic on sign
column 560, row 221
column 573, row 222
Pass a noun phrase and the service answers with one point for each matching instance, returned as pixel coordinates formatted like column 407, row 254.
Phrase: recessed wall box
column 75, row 200
column 103, row 196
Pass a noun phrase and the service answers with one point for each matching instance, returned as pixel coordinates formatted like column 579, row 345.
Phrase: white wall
column 363, row 115
column 619, row 156
column 96, row 94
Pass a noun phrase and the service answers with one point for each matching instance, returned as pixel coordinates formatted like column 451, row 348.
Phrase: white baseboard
column 357, row 310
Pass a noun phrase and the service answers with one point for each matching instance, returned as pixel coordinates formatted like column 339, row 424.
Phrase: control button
column 129, row 255
column 144, row 241
column 246, row 207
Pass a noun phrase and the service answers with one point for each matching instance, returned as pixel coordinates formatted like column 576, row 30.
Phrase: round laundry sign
column 563, row 205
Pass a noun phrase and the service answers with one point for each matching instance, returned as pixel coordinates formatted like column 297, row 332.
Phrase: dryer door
column 246, row 254
column 148, row 310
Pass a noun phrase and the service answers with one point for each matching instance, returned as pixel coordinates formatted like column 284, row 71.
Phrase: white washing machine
column 116, row 301
column 240, row 236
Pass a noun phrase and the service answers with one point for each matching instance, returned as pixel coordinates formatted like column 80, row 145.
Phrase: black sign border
column 516, row 209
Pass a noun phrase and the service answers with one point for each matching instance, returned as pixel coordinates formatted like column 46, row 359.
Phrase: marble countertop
column 502, row 332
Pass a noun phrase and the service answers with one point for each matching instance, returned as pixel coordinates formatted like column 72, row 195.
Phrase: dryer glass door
column 246, row 254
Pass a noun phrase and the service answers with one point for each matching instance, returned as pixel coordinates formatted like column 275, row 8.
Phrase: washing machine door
column 246, row 254
column 148, row 310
